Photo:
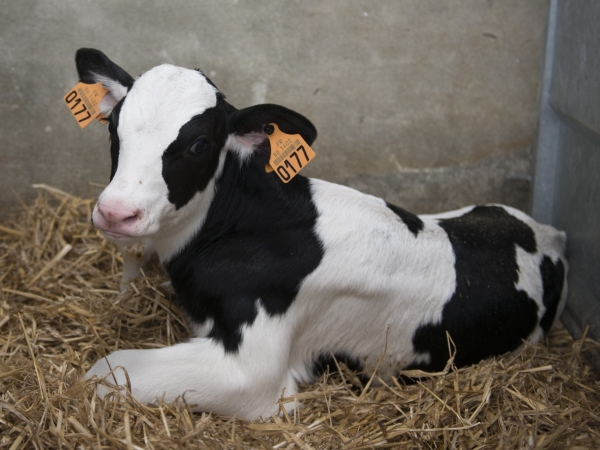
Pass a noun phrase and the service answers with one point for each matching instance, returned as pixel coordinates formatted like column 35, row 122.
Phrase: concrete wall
column 567, row 178
column 431, row 104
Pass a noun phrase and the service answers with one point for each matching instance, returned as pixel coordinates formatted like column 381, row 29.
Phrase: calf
column 275, row 279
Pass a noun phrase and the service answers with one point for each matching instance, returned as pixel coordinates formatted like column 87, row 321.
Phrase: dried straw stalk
column 61, row 310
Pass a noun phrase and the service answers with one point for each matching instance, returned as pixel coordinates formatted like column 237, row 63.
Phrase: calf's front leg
column 135, row 258
column 247, row 383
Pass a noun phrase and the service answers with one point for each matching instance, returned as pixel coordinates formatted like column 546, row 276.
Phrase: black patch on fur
column 186, row 173
column 486, row 315
column 256, row 246
column 113, row 124
column 553, row 278
column 412, row 221
column 90, row 61
column 325, row 362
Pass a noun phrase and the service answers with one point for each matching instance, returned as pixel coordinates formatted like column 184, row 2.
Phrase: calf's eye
column 199, row 146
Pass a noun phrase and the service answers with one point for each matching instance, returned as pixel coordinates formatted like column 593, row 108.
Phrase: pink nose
column 116, row 218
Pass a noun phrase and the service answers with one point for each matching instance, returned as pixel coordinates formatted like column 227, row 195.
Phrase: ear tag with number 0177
column 84, row 102
column 289, row 153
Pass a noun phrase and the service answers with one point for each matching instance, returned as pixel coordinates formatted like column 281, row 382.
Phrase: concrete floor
column 431, row 105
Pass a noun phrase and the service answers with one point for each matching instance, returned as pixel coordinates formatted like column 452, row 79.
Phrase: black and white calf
column 275, row 278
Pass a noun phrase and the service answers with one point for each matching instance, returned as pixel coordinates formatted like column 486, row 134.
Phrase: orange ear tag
column 289, row 153
column 84, row 102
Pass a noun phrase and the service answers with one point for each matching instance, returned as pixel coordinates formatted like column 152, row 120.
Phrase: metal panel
column 567, row 177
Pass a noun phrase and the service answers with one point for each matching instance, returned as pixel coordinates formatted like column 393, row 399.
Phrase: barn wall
column 566, row 190
column 430, row 104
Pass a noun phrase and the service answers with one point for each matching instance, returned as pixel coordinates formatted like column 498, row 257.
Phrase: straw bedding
column 61, row 310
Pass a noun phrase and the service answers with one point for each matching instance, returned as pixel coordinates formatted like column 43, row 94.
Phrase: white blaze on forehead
column 162, row 100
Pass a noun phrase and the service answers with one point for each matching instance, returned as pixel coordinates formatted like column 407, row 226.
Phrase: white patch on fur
column 550, row 243
column 530, row 280
column 199, row 330
column 374, row 274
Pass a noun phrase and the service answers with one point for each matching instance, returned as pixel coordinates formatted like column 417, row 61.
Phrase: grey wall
column 567, row 178
column 431, row 104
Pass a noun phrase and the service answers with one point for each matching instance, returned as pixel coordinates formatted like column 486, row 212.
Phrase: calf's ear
column 246, row 126
column 94, row 66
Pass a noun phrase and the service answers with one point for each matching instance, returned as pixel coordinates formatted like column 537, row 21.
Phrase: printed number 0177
column 282, row 171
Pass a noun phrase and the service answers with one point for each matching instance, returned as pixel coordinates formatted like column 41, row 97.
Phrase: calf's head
column 169, row 132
